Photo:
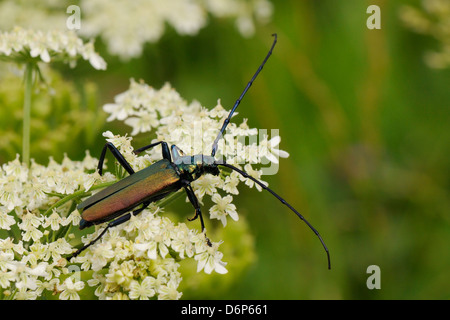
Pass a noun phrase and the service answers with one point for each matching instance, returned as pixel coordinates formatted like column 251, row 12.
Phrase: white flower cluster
column 141, row 21
column 433, row 20
column 29, row 261
column 141, row 257
column 21, row 45
column 34, row 14
column 137, row 260
column 243, row 11
column 125, row 26
column 193, row 129
column 22, row 187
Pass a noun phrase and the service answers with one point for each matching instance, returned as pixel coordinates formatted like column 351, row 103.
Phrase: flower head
column 143, row 290
column 145, row 21
column 211, row 260
column 70, row 289
column 139, row 259
column 21, row 45
column 136, row 23
column 268, row 148
column 223, row 208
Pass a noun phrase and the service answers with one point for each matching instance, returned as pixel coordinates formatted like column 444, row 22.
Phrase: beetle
column 117, row 203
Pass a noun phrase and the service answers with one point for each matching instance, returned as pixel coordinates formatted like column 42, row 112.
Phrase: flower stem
column 28, row 83
column 74, row 195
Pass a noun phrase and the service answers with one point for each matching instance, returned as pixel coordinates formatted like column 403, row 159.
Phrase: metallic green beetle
column 175, row 171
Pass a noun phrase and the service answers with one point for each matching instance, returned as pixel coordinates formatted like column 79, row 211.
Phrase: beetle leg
column 113, row 223
column 116, row 153
column 127, row 216
column 195, row 216
column 164, row 146
column 195, row 204
column 198, row 211
column 89, row 244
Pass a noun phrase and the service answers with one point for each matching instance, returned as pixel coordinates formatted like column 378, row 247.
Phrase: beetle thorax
column 193, row 167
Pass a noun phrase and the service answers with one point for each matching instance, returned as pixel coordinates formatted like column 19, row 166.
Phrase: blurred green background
column 365, row 121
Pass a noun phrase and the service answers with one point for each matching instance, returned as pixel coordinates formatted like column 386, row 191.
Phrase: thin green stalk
column 28, row 83
column 74, row 195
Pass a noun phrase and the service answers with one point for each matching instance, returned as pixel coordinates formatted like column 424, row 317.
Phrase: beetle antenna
column 238, row 101
column 246, row 175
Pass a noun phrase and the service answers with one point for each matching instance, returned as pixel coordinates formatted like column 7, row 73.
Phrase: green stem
column 74, row 195
column 11, row 296
column 27, row 113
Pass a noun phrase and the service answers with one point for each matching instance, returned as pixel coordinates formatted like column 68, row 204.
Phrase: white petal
column 141, row 246
column 202, row 258
column 151, row 253
column 233, row 214
column 163, row 250
column 283, row 154
column 271, row 157
column 220, row 268
column 210, row 265
column 97, row 62
column 275, row 141
column 223, row 218
column 45, row 56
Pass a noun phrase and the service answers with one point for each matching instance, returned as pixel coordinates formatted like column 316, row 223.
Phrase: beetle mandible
column 164, row 177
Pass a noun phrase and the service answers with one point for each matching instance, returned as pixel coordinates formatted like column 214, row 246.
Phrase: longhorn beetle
column 175, row 171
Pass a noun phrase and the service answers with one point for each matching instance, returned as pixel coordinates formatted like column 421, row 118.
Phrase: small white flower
column 122, row 275
column 16, row 169
column 30, row 220
column 31, row 233
column 73, row 218
column 24, row 294
column 211, row 260
column 58, row 248
column 6, row 220
column 5, row 259
column 169, row 291
column 54, row 221
column 231, row 183
column 66, row 183
column 270, row 151
column 219, row 111
column 70, row 289
column 6, row 278
column 36, row 192
column 39, row 271
column 101, row 253
column 122, row 143
column 38, row 48
column 206, row 185
column 142, row 122
column 255, row 174
column 143, row 290
column 10, row 193
column 222, row 208
column 182, row 242
column 149, row 248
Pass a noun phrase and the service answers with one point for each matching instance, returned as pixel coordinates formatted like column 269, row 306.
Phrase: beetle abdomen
column 147, row 185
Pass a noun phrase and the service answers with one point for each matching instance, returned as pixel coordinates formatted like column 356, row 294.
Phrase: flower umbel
column 139, row 259
column 138, row 22
column 29, row 47
column 22, row 45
